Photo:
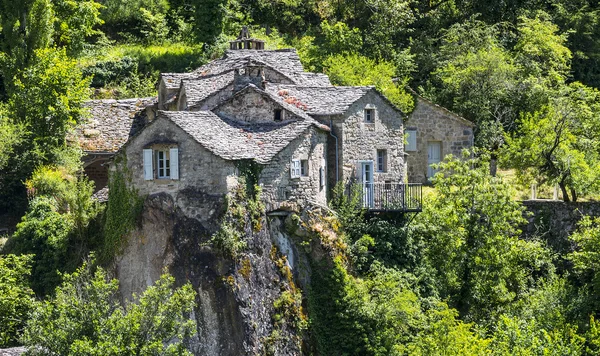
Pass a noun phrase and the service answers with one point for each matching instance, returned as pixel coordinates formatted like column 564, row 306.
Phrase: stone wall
column 199, row 169
column 359, row 140
column 252, row 107
column 435, row 124
column 282, row 191
column 555, row 220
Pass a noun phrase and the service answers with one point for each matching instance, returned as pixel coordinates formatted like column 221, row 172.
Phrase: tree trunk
column 563, row 189
column 493, row 165
column 573, row 195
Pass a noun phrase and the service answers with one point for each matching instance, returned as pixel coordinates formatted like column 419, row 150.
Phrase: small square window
column 381, row 160
column 278, row 115
column 369, row 115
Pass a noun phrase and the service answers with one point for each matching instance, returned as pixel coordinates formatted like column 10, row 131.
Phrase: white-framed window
column 295, row 170
column 381, row 160
column 299, row 168
column 411, row 140
column 161, row 163
column 369, row 115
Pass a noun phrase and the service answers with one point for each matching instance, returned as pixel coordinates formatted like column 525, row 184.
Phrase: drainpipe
column 337, row 176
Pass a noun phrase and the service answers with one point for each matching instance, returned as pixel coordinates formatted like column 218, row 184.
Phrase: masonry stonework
column 435, row 124
column 360, row 140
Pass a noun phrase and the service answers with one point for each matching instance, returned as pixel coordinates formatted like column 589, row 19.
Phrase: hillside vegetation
column 458, row 279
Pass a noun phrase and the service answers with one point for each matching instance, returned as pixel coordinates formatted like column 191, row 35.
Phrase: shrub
column 16, row 298
column 85, row 318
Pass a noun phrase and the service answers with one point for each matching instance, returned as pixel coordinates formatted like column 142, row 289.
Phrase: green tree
column 26, row 27
column 85, row 318
column 47, row 102
column 43, row 232
column 16, row 298
column 208, row 20
column 353, row 69
column 559, row 144
column 75, row 21
column 471, row 231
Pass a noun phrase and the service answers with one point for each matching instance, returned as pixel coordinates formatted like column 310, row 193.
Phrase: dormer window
column 278, row 115
column 369, row 115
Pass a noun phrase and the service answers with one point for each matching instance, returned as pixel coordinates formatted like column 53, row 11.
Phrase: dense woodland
column 458, row 279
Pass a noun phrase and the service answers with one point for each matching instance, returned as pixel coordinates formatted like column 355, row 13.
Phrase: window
column 304, row 168
column 295, row 169
column 321, row 177
column 411, row 140
column 369, row 115
column 161, row 163
column 299, row 168
column 278, row 115
column 381, row 160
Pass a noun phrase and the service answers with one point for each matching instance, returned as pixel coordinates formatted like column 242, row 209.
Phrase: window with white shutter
column 174, row 155
column 148, row 172
column 295, row 169
column 411, row 140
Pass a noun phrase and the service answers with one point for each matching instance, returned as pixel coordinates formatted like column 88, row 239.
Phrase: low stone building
column 432, row 133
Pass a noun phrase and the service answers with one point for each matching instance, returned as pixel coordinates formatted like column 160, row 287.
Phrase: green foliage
column 105, row 72
column 16, row 298
column 558, row 144
column 472, row 232
column 245, row 213
column 585, row 260
column 74, row 22
column 43, row 232
column 208, row 20
column 85, row 318
column 122, row 212
column 354, row 69
column 142, row 21
column 47, row 102
column 26, row 27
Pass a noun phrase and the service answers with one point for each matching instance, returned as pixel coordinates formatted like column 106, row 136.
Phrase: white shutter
column 295, row 168
column 148, row 174
column 174, row 157
column 411, row 140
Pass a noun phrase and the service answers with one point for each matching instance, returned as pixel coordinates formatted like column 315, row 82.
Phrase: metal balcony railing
column 399, row 197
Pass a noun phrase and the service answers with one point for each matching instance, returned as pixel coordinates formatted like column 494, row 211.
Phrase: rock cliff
column 247, row 304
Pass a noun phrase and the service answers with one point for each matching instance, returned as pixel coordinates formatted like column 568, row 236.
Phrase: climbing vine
column 243, row 208
column 123, row 209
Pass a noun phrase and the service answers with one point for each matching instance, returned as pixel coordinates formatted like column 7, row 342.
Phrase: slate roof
column 111, row 123
column 294, row 107
column 198, row 89
column 233, row 140
column 321, row 100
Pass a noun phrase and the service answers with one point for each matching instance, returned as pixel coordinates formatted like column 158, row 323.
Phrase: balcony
column 392, row 197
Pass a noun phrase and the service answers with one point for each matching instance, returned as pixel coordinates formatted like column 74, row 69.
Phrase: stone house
column 432, row 133
column 260, row 106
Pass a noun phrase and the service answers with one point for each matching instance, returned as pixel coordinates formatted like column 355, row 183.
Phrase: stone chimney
column 244, row 41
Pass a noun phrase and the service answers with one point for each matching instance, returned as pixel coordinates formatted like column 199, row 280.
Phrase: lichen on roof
column 111, row 123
